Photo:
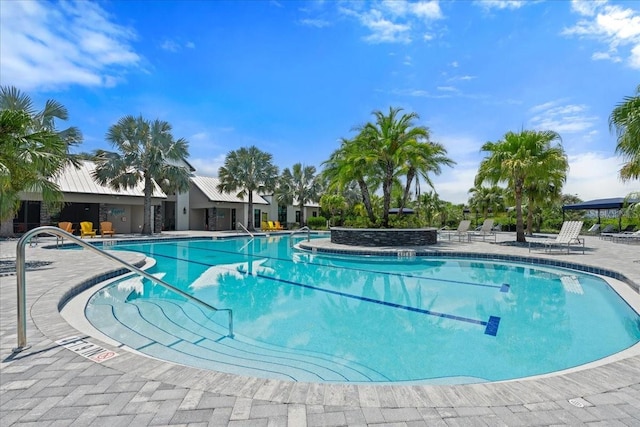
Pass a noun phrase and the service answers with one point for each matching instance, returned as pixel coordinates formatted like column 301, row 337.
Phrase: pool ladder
column 299, row 230
column 59, row 234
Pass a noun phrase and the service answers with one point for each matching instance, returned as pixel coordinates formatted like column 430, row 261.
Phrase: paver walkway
column 49, row 384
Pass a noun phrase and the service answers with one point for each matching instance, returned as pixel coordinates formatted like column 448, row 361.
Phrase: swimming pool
column 306, row 317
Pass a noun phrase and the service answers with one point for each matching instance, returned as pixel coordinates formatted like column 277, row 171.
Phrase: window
column 282, row 214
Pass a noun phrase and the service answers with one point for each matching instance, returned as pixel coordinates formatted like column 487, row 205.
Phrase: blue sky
column 293, row 77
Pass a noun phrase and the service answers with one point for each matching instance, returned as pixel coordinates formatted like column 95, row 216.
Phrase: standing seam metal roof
column 208, row 185
column 80, row 180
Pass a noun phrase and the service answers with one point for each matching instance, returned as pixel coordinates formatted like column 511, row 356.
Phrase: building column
column 103, row 211
column 45, row 214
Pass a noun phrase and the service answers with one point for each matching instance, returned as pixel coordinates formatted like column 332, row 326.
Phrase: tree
column 247, row 170
column 351, row 163
column 518, row 159
column 625, row 118
column 146, row 153
column 400, row 149
column 298, row 185
column 32, row 151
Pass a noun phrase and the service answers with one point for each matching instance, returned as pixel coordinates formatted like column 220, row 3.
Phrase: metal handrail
column 300, row 230
column 245, row 229
column 59, row 233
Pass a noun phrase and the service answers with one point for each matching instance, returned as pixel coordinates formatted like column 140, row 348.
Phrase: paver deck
column 49, row 384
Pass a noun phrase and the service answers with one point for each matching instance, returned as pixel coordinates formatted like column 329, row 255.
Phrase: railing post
column 55, row 231
column 21, row 297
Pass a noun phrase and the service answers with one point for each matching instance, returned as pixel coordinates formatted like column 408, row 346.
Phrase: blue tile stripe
column 386, row 303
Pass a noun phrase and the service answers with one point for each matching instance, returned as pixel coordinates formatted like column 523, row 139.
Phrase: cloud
column 596, row 176
column 208, row 166
column 316, row 23
column 500, row 4
column 612, row 25
column 397, row 21
column 175, row 46
column 562, row 118
column 47, row 45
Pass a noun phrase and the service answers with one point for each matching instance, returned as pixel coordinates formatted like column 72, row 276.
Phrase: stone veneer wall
column 379, row 237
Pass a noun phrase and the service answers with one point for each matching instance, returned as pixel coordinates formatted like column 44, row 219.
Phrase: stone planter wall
column 380, row 237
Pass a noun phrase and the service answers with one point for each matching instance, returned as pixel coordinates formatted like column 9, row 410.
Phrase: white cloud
column 45, row 45
column 208, row 166
column 395, row 21
column 562, row 118
column 612, row 25
column 316, row 23
column 596, row 176
column 170, row 45
column 500, row 4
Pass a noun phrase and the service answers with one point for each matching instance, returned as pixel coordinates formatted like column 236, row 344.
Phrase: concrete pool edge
column 609, row 377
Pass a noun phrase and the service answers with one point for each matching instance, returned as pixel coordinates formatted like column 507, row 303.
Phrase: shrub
column 317, row 222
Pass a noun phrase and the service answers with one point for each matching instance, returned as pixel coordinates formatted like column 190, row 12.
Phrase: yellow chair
column 264, row 226
column 272, row 226
column 86, row 229
column 106, row 228
column 278, row 226
column 66, row 226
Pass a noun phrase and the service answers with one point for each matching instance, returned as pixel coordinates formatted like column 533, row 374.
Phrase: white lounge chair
column 626, row 237
column 484, row 231
column 462, row 230
column 569, row 235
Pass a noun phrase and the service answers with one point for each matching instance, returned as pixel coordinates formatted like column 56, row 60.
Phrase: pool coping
column 615, row 375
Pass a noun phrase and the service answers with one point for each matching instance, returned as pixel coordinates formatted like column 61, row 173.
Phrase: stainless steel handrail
column 245, row 229
column 59, row 233
column 300, row 230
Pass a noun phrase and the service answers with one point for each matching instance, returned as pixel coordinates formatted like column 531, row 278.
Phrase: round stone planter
column 380, row 237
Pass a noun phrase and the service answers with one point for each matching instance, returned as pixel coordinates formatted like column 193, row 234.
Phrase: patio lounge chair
column 626, row 237
column 607, row 231
column 595, row 228
column 106, row 229
column 264, row 226
column 86, row 229
column 569, row 235
column 462, row 230
column 484, row 231
column 66, row 226
column 279, row 226
column 273, row 227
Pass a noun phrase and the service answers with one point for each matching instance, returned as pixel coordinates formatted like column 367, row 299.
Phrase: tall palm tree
column 422, row 158
column 625, row 118
column 351, row 163
column 484, row 199
column 519, row 158
column 247, row 170
column 32, row 151
column 298, row 185
column 146, row 152
column 399, row 147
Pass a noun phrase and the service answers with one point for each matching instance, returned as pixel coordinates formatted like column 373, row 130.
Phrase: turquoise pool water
column 307, row 317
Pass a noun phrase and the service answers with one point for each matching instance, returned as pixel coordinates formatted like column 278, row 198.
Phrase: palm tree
column 247, row 170
column 422, row 158
column 32, row 151
column 351, row 163
column 298, row 185
column 518, row 159
column 625, row 118
column 147, row 153
column 400, row 148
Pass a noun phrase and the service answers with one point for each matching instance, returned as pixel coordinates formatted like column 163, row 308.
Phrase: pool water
column 307, row 317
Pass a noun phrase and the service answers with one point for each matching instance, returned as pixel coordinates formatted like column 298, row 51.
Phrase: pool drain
column 577, row 402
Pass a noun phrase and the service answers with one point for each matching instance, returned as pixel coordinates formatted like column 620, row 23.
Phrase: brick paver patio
column 49, row 384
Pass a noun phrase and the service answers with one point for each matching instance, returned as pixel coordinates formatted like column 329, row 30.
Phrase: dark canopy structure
column 600, row 204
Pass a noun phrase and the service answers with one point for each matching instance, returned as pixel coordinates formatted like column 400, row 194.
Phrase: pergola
column 600, row 204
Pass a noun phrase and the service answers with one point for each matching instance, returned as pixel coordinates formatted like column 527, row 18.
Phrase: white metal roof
column 208, row 185
column 80, row 180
